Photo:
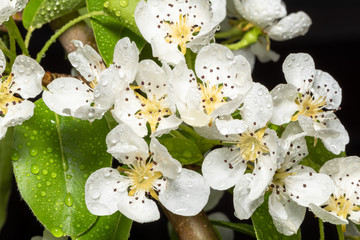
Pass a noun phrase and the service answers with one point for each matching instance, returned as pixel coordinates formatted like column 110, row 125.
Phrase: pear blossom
column 271, row 17
column 293, row 187
column 311, row 97
column 23, row 82
column 343, row 204
column 224, row 79
column 10, row 7
column 254, row 146
column 89, row 99
column 156, row 107
column 143, row 178
column 173, row 26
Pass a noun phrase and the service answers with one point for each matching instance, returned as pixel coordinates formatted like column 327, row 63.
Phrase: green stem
column 230, row 33
column 7, row 51
column 340, row 232
column 321, row 230
column 15, row 34
column 62, row 30
column 28, row 36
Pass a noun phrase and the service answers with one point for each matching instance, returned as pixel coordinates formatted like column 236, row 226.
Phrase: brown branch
column 79, row 31
column 197, row 227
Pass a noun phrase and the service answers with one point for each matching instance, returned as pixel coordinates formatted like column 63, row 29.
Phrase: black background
column 333, row 41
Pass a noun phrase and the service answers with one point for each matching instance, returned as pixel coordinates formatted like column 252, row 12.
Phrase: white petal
column 326, row 86
column 17, row 114
column 167, row 165
column 3, row 130
column 297, row 68
column 9, row 8
column 227, row 108
column 355, row 217
column 261, row 12
column 168, row 53
column 100, row 197
column 212, row 132
column 262, row 53
column 27, row 77
column 124, row 145
column 306, row 186
column 89, row 113
column 234, row 126
column 222, row 169
column 86, row 60
column 185, row 195
column 126, row 58
column 336, row 144
column 2, row 62
column 66, row 95
column 291, row 26
column 287, row 216
column 327, row 216
column 283, row 96
column 233, row 71
column 244, row 206
column 141, row 210
column 248, row 54
column 258, row 106
column 166, row 125
column 214, row 199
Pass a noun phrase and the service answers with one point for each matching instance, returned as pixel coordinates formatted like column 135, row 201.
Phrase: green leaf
column 318, row 154
column 108, row 31
column 113, row 227
column 39, row 12
column 239, row 227
column 182, row 149
column 123, row 11
column 55, row 156
column 5, row 173
column 264, row 226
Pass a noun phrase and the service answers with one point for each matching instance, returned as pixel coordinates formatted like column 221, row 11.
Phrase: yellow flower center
column 211, row 97
column 181, row 32
column 143, row 178
column 342, row 206
column 152, row 110
column 6, row 96
column 309, row 106
column 252, row 145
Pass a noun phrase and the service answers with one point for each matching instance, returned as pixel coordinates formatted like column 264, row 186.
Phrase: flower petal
column 27, row 76
column 100, row 197
column 185, row 195
column 66, row 95
column 283, row 96
column 298, row 68
column 125, row 146
column 233, row 126
column 87, row 61
column 138, row 208
column 126, row 58
column 222, row 169
column 327, row 216
column 167, row 165
column 2, row 62
column 287, row 216
column 291, row 26
column 166, row 125
column 17, row 114
column 326, row 86
column 214, row 199
column 336, row 144
column 262, row 53
column 244, row 206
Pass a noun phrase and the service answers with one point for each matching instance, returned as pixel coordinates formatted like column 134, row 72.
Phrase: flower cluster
column 206, row 88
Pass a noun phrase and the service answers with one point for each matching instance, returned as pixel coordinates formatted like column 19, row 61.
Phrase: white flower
column 132, row 187
column 23, row 82
column 156, row 107
column 293, row 186
column 225, row 79
column 271, row 17
column 344, row 202
column 173, row 25
column 10, row 7
column 311, row 97
column 254, row 146
column 91, row 98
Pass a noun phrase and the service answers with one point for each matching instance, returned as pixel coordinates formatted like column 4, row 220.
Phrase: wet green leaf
column 108, row 31
column 55, row 156
column 39, row 12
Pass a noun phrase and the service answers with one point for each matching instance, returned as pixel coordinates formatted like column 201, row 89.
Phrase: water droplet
column 49, row 149
column 124, row 3
column 15, row 155
column 45, row 172
column 95, row 195
column 57, row 232
column 82, row 167
column 43, row 193
column 106, row 4
column 33, row 152
column 69, row 201
column 20, row 146
column 34, row 169
column 53, row 175
column 68, row 177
